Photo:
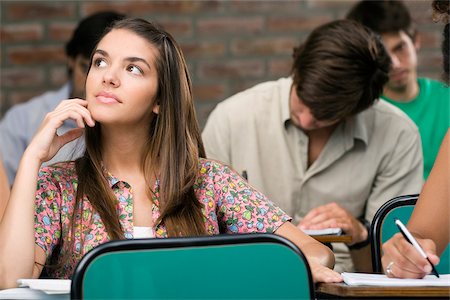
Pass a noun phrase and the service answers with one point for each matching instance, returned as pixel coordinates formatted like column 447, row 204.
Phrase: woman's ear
column 156, row 108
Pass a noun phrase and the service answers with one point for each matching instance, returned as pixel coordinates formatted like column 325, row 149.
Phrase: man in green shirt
column 425, row 101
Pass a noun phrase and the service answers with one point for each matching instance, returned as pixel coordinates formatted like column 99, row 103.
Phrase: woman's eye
column 134, row 69
column 99, row 62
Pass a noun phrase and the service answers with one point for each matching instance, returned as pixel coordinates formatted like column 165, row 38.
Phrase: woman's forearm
column 17, row 225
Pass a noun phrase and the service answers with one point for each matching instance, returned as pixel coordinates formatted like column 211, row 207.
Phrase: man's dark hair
column 88, row 32
column 340, row 70
column 384, row 16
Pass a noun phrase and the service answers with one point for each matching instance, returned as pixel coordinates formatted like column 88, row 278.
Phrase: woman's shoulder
column 58, row 171
column 217, row 171
column 207, row 165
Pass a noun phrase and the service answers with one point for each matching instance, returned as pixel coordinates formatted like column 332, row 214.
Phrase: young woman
column 143, row 173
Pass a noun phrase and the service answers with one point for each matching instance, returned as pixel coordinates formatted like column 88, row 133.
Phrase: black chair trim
column 375, row 228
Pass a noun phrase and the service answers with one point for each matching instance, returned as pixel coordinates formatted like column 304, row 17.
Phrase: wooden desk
column 333, row 238
column 342, row 290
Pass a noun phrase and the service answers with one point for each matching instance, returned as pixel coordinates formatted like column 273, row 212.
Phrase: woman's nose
column 110, row 78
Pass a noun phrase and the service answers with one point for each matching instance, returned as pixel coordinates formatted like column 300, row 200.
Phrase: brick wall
column 229, row 45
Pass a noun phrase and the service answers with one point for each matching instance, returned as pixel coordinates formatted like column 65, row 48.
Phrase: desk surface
column 344, row 290
column 333, row 238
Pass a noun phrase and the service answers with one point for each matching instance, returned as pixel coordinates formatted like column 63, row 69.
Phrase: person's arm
column 239, row 203
column 18, row 252
column 4, row 189
column 319, row 256
column 400, row 173
column 429, row 223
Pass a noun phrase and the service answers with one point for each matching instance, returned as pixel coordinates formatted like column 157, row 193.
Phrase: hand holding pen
column 409, row 237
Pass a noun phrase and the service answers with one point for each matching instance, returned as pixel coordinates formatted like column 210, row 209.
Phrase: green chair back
column 250, row 266
column 383, row 228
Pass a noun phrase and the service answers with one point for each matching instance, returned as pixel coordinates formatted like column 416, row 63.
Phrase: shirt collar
column 112, row 180
column 355, row 127
column 359, row 126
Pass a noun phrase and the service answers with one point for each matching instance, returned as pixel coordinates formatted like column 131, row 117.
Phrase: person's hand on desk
column 321, row 273
column 401, row 259
column 334, row 215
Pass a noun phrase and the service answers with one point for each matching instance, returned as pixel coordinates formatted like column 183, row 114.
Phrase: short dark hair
column 340, row 70
column 89, row 30
column 384, row 16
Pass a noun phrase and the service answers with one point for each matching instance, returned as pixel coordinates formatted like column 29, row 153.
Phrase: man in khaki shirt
column 318, row 143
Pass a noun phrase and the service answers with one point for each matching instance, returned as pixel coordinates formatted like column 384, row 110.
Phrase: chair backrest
column 383, row 228
column 251, row 266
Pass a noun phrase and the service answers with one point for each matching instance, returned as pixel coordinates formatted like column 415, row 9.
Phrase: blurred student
column 430, row 220
column 318, row 143
column 144, row 172
column 425, row 101
column 21, row 121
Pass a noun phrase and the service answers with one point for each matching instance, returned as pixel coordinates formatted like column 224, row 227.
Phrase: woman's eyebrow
column 102, row 52
column 138, row 59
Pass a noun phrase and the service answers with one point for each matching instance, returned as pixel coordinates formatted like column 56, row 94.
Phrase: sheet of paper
column 383, row 280
column 27, row 293
column 326, row 231
column 48, row 286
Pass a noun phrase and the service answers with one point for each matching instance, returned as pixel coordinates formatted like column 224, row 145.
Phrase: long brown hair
column 173, row 147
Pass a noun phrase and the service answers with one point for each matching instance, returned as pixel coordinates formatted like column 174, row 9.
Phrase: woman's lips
column 106, row 100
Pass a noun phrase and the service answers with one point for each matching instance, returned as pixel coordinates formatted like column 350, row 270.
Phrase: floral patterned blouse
column 230, row 205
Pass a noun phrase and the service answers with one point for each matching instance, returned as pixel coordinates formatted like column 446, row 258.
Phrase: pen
column 408, row 236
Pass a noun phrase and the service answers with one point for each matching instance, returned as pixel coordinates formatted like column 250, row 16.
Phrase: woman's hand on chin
column 46, row 142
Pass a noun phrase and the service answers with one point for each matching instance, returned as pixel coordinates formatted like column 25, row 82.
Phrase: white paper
column 383, row 280
column 48, row 286
column 326, row 231
column 27, row 293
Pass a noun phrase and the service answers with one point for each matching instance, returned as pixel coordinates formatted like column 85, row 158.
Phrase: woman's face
column 122, row 83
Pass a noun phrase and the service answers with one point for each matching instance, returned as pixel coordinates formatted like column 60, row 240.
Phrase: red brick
column 58, row 75
column 265, row 46
column 420, row 11
column 231, row 69
column 208, row 91
column 20, row 32
column 430, row 60
column 296, row 24
column 18, row 77
column 203, row 112
column 202, row 49
column 38, row 10
column 429, row 40
column 331, row 4
column 242, row 85
column 227, row 25
column 35, row 55
column 177, row 28
column 280, row 67
column 137, row 8
column 266, row 6
column 61, row 31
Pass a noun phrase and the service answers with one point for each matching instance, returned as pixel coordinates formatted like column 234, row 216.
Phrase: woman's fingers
column 46, row 142
column 74, row 105
column 70, row 136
